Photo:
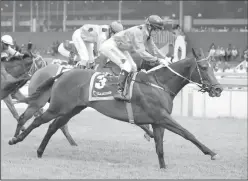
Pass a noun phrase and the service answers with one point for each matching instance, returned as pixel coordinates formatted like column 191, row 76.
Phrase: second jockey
column 85, row 37
column 68, row 49
column 6, row 52
column 136, row 39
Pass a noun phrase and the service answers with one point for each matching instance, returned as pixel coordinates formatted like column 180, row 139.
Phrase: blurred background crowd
column 66, row 16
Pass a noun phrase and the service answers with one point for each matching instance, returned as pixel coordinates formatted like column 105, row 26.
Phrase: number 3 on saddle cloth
column 103, row 86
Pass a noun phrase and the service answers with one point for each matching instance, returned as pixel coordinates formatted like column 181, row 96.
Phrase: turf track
column 111, row 149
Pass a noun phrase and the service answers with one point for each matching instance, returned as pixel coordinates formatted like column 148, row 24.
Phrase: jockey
column 85, row 37
column 6, row 52
column 135, row 39
column 68, row 49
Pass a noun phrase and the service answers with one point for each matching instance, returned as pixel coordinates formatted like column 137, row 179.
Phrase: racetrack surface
column 111, row 149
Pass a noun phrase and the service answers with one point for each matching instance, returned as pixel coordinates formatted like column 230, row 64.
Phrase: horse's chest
column 149, row 100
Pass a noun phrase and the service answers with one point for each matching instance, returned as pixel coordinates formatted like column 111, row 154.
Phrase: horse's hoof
column 13, row 141
column 39, row 153
column 163, row 167
column 215, row 157
column 147, row 137
column 74, row 144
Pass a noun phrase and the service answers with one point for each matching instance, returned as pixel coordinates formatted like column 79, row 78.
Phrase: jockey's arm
column 154, row 49
column 63, row 51
column 13, row 52
column 139, row 47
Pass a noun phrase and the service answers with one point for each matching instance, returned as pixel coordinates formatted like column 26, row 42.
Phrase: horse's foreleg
column 10, row 105
column 169, row 123
column 33, row 107
column 28, row 114
column 67, row 134
column 56, row 124
column 158, row 138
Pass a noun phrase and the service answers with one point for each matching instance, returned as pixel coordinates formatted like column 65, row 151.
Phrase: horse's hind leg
column 64, row 129
column 44, row 118
column 170, row 124
column 33, row 107
column 28, row 114
column 56, row 124
column 68, row 136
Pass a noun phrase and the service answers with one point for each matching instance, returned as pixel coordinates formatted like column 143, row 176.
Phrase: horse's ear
column 193, row 51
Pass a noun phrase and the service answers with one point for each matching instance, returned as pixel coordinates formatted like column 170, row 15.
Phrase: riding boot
column 122, row 80
column 90, row 65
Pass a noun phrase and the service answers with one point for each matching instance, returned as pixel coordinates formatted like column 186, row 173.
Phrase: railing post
column 182, row 102
column 230, row 103
column 190, row 102
column 204, row 105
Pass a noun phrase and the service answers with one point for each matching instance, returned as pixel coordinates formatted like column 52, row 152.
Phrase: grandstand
column 205, row 14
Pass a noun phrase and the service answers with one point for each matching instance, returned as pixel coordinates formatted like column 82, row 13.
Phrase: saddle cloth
column 103, row 87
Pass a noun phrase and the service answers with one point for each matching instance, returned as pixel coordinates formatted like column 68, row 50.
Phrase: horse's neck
column 19, row 67
column 174, row 82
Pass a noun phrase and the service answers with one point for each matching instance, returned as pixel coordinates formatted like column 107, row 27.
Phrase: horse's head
column 202, row 72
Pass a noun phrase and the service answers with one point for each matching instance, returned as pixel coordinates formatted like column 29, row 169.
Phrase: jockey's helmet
column 155, row 22
column 116, row 26
column 7, row 39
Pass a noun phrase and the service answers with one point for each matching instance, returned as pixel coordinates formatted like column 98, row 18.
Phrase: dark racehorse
column 22, row 69
column 35, row 105
column 152, row 101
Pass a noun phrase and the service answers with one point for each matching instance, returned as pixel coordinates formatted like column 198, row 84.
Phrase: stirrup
column 119, row 95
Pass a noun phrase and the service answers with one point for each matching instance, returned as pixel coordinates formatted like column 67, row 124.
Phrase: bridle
column 34, row 67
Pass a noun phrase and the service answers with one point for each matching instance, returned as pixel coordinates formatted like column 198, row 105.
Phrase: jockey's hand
column 163, row 61
column 90, row 65
column 20, row 55
column 80, row 65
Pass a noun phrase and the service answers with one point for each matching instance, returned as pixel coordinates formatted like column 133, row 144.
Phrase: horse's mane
column 13, row 59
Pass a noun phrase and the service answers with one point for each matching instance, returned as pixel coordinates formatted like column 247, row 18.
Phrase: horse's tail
column 41, row 89
column 13, row 86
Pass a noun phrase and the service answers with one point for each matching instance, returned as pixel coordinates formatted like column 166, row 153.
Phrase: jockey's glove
column 163, row 61
column 20, row 55
column 80, row 65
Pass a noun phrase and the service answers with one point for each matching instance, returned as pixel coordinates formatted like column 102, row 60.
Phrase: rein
column 34, row 66
column 202, row 89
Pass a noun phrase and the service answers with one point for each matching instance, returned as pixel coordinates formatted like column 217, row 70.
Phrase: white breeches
column 110, row 50
column 63, row 51
column 85, row 49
